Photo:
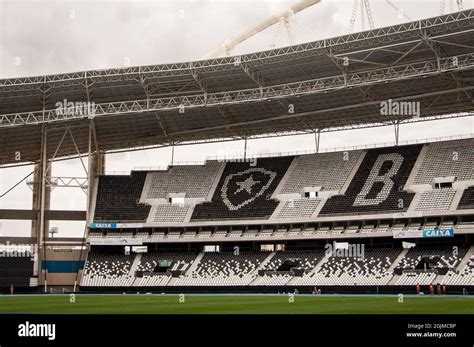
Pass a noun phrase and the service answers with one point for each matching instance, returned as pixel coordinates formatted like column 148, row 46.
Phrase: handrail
column 249, row 157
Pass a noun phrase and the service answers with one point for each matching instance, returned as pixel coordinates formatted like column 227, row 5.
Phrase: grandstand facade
column 266, row 224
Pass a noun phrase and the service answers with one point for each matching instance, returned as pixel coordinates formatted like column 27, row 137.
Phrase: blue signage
column 438, row 232
column 103, row 226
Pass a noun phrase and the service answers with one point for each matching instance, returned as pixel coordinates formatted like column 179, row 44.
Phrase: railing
column 249, row 157
column 343, row 148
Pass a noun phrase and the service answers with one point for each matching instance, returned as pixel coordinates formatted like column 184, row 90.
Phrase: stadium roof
column 331, row 84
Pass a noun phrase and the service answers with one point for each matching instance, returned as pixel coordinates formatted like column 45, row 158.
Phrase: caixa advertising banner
column 115, row 225
column 436, row 232
column 116, row 242
column 424, row 233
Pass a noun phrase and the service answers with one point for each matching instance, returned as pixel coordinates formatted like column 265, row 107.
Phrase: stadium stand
column 244, row 191
column 118, row 199
column 465, row 276
column 421, row 265
column 194, row 180
column 248, row 206
column 179, row 261
column 108, row 270
column 436, row 200
column 371, row 270
column 449, row 158
column 153, row 275
column 298, row 209
column 305, row 260
column 170, row 213
column 443, row 258
column 327, row 170
column 412, row 278
column 273, row 279
column 224, row 269
column 378, row 184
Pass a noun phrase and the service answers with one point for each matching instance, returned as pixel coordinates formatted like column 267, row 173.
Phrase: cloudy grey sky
column 47, row 37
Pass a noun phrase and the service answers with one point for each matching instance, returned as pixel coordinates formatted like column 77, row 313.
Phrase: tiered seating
column 108, row 270
column 170, row 213
column 273, row 279
column 352, row 229
column 224, row 269
column 372, row 270
column 378, row 184
column 463, row 277
column 327, row 170
column 467, row 199
column 306, row 260
column 149, row 262
column 448, row 258
column 118, row 199
column 450, row 158
column 194, row 180
column 383, row 228
column 16, row 271
column 244, row 191
column 412, row 278
column 339, row 229
column 179, row 261
column 436, row 200
column 298, row 209
column 265, row 232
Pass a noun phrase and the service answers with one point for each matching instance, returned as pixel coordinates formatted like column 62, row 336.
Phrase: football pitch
column 234, row 304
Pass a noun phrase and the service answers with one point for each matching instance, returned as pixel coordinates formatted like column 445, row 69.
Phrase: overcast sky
column 48, row 37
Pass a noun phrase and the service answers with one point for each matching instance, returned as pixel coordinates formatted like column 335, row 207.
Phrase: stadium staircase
column 213, row 186
column 136, row 262
column 194, row 265
column 397, row 260
column 414, row 202
column 291, row 281
column 466, row 258
column 285, row 177
column 188, row 215
column 262, row 265
column 438, row 279
column 456, row 199
column 320, row 263
column 414, row 171
column 351, row 176
column 278, row 209
column 319, row 207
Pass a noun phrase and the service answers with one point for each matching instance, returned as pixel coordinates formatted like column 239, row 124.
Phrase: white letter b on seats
column 374, row 177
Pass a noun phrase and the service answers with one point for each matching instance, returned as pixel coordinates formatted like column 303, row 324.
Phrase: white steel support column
column 44, row 200
column 89, row 173
column 397, row 132
column 245, row 149
column 172, row 154
column 317, row 139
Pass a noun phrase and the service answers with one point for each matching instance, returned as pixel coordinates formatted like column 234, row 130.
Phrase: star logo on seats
column 242, row 188
column 247, row 185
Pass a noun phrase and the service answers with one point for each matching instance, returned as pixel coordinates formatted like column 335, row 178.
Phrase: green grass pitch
column 197, row 304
